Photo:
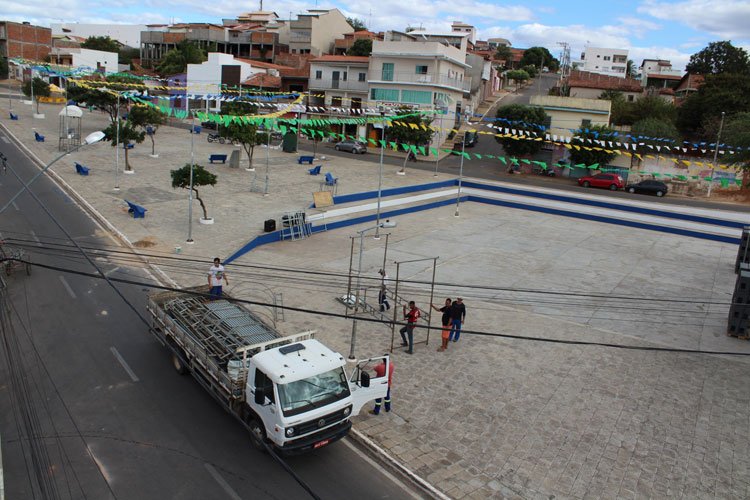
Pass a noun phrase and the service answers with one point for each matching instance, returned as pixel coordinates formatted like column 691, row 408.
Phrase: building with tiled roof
column 688, row 84
column 342, row 45
column 588, row 85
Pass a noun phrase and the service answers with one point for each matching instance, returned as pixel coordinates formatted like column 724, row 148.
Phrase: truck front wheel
column 257, row 434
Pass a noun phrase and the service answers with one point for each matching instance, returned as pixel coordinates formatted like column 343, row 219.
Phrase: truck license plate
column 322, row 443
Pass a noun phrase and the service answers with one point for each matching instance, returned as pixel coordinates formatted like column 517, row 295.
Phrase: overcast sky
column 648, row 29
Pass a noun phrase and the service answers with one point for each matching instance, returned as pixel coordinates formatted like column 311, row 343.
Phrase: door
column 266, row 411
column 335, row 80
column 378, row 385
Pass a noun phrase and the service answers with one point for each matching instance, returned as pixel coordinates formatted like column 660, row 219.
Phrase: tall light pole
column 437, row 149
column 716, row 152
column 380, row 173
column 90, row 139
column 192, row 162
column 359, row 276
column 117, row 137
column 460, row 174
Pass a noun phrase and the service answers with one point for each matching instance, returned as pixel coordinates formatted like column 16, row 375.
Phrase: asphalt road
column 109, row 411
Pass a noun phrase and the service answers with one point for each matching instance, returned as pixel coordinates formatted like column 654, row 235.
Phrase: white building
column 658, row 67
column 340, row 84
column 85, row 58
column 459, row 27
column 613, row 62
column 127, row 34
column 221, row 69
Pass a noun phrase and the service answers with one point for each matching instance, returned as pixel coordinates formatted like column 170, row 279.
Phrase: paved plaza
column 492, row 417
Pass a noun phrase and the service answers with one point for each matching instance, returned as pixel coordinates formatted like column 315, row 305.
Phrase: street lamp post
column 90, row 139
column 716, row 152
column 460, row 175
column 359, row 276
column 380, row 174
column 192, row 162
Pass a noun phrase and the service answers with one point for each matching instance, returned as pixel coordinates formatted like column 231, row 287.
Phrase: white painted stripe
column 5, row 139
column 377, row 466
column 15, row 206
column 119, row 358
column 33, row 235
column 112, row 271
column 67, row 287
column 222, row 482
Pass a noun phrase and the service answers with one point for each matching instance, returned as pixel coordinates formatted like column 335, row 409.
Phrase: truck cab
column 302, row 398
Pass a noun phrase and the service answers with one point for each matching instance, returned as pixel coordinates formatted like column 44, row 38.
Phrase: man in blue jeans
column 458, row 315
column 411, row 318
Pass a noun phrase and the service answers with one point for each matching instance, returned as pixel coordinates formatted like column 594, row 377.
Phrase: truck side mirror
column 260, row 396
column 364, row 379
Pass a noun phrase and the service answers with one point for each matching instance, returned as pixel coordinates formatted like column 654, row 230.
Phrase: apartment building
column 339, row 83
column 314, row 32
column 24, row 40
column 659, row 73
column 465, row 29
column 106, row 62
column 613, row 62
column 407, row 70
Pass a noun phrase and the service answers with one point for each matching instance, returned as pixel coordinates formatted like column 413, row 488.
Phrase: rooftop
column 350, row 59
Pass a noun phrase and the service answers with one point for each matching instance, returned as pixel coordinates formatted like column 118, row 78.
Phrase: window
column 265, row 383
column 630, row 98
column 336, row 101
column 421, row 70
column 363, row 77
column 585, row 123
column 416, row 96
column 387, row 72
column 318, row 74
column 384, row 95
column 343, row 77
column 357, row 102
column 607, row 58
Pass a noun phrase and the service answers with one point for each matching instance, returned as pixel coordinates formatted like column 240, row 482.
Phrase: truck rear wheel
column 257, row 434
column 179, row 365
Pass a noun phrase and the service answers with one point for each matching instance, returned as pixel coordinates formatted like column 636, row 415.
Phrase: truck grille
column 321, row 422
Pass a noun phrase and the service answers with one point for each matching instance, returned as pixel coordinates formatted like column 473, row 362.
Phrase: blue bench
column 195, row 130
column 12, row 116
column 39, row 138
column 315, row 170
column 331, row 180
column 127, row 145
column 305, row 159
column 136, row 210
column 81, row 170
column 221, row 158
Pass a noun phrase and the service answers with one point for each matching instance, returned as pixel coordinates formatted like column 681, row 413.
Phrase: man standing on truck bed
column 215, row 275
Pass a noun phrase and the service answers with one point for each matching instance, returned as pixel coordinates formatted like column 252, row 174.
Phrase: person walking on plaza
column 380, row 372
column 411, row 318
column 383, row 295
column 215, row 275
column 446, row 322
column 458, row 316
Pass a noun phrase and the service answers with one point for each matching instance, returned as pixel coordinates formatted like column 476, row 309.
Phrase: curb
column 89, row 209
column 385, row 459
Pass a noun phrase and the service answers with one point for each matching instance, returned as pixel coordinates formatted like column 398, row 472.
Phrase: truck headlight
column 289, row 431
column 347, row 410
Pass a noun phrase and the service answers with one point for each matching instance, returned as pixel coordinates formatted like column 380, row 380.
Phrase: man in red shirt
column 380, row 372
column 411, row 318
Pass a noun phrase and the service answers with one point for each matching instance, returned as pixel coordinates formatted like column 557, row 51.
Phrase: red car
column 610, row 181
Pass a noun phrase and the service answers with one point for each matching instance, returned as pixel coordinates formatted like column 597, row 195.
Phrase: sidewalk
column 492, row 417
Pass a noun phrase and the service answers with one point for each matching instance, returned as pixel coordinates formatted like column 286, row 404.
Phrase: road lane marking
column 33, row 235
column 124, row 364
column 222, row 482
column 5, row 140
column 67, row 287
column 112, row 271
column 15, row 206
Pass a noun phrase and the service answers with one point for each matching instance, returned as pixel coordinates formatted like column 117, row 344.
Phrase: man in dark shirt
column 411, row 318
column 446, row 322
column 458, row 316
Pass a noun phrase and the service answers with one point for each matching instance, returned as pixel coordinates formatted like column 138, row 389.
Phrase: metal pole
column 31, row 85
column 432, row 296
column 349, row 283
column 268, row 153
column 437, row 149
column 356, row 296
column 117, row 144
column 192, row 162
column 460, row 175
column 380, row 173
column 716, row 152
column 395, row 306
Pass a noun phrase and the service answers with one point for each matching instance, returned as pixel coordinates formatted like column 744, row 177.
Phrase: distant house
column 688, row 84
column 98, row 60
column 612, row 62
column 342, row 45
column 659, row 73
column 589, row 85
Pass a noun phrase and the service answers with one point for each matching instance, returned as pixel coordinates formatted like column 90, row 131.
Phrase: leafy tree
column 722, row 92
column 128, row 54
column 503, row 53
column 517, row 75
column 176, row 60
column 523, row 118
column 530, row 70
column 539, row 56
column 128, row 133
column 103, row 43
column 720, row 57
column 612, row 95
column 244, row 133
column 41, row 89
column 361, row 47
column 356, row 24
column 737, row 133
column 592, row 156
column 655, row 128
column 316, row 132
column 405, row 134
column 653, row 107
column 3, row 68
column 201, row 177
column 143, row 116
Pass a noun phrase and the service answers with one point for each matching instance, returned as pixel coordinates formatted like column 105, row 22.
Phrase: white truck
column 292, row 392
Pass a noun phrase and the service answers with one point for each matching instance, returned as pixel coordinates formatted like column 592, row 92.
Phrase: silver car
column 355, row 147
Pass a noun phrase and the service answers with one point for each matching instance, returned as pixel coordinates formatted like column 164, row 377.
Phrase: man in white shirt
column 215, row 275
column 383, row 295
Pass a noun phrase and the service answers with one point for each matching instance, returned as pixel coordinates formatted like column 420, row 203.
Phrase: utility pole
column 716, row 152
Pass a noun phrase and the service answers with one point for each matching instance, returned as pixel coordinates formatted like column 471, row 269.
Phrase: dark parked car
column 209, row 125
column 609, row 181
column 470, row 140
column 355, row 147
column 648, row 187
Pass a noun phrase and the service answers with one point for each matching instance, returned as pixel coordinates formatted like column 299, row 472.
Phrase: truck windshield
column 313, row 392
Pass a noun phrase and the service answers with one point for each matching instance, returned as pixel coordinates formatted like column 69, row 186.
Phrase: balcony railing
column 328, row 83
column 441, row 79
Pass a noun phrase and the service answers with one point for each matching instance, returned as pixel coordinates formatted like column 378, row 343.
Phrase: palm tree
column 630, row 69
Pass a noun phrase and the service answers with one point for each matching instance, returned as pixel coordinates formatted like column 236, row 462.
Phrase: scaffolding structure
column 294, row 226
